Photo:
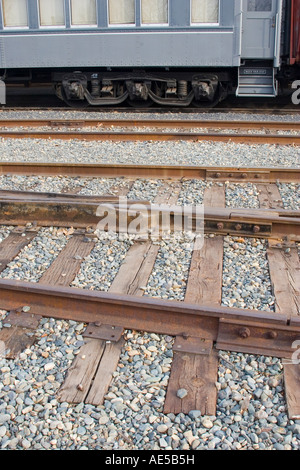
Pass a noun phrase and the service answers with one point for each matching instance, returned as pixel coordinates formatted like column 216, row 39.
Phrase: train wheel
column 76, row 104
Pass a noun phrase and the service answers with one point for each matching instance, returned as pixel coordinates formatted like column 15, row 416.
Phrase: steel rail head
column 232, row 174
column 240, row 329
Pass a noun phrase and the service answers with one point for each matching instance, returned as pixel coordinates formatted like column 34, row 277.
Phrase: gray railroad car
column 168, row 52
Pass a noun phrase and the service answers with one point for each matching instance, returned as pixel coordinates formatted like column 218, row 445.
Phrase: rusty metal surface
column 156, row 123
column 158, row 316
column 105, row 332
column 79, row 212
column 232, row 174
column 250, row 337
column 192, row 345
column 114, row 136
column 59, row 198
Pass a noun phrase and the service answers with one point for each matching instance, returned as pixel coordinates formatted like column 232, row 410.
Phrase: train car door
column 259, row 29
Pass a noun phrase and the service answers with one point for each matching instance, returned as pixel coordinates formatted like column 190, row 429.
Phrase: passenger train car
column 168, row 52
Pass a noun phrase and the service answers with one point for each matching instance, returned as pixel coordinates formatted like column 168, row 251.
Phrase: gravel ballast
column 251, row 409
column 102, row 115
column 149, row 153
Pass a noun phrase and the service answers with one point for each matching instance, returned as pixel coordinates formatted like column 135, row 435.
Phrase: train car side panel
column 176, row 49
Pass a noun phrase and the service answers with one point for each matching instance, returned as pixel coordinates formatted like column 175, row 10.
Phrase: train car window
column 52, row 12
column 83, row 12
column 205, row 11
column 15, row 13
column 155, row 12
column 259, row 5
column 121, row 12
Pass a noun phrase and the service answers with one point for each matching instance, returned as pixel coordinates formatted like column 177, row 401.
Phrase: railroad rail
column 214, row 130
column 200, row 324
column 156, row 123
column 19, row 208
column 210, row 173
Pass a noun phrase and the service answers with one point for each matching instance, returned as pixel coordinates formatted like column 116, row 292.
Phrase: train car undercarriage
column 140, row 88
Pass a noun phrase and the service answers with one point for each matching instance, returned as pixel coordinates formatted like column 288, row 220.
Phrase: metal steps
column 258, row 82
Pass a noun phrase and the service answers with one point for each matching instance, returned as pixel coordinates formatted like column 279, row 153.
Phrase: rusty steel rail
column 277, row 139
column 213, row 134
column 154, row 123
column 221, row 174
column 81, row 211
column 268, row 333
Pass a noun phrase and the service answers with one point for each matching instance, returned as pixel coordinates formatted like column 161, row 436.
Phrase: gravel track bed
column 170, row 273
column 192, row 192
column 57, row 184
column 241, row 195
column 149, row 153
column 38, row 255
column 99, row 269
column 246, row 280
column 251, row 409
column 56, row 114
column 143, row 189
column 290, row 194
column 244, row 195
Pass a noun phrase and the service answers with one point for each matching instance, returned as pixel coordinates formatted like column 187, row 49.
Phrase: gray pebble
column 182, row 393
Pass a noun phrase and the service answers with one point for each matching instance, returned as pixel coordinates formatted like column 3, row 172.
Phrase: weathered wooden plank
column 269, row 196
column 193, row 373
column 168, row 193
column 136, row 269
column 14, row 340
column 11, row 246
column 292, row 389
column 214, row 196
column 140, row 258
column 198, row 373
column 19, row 335
column 133, row 273
column 104, row 374
column 62, row 272
column 205, row 278
column 284, row 268
column 206, row 270
column 64, row 268
column 80, row 375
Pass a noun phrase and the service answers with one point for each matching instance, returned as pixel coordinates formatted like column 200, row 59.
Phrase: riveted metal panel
column 147, row 49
